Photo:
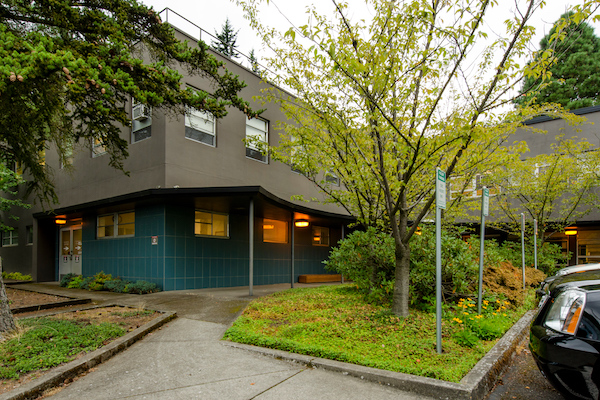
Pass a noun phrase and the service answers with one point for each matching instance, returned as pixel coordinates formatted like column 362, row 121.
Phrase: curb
column 475, row 385
column 35, row 388
column 47, row 306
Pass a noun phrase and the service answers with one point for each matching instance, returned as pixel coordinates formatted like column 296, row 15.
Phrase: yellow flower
column 457, row 320
column 497, row 301
column 484, row 307
column 486, row 302
column 468, row 298
column 479, row 316
column 506, row 302
column 466, row 313
column 494, row 313
column 504, row 315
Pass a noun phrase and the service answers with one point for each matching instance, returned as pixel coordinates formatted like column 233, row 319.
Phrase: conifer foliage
column 70, row 68
column 574, row 79
column 226, row 43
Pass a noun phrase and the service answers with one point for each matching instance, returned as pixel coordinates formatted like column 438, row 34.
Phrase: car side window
column 589, row 326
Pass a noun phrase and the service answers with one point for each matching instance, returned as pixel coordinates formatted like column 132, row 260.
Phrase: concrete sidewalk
column 186, row 358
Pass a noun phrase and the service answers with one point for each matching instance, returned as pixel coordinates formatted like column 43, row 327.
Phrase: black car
column 565, row 335
column 573, row 269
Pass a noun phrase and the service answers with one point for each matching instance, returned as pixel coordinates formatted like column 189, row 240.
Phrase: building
column 199, row 208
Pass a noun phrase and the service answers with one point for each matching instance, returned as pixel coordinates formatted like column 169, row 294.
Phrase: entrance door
column 70, row 251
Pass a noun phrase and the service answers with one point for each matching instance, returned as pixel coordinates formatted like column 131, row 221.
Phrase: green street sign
column 440, row 189
column 486, row 202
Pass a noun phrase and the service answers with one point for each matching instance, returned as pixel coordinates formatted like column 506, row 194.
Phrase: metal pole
column 342, row 238
column 535, row 227
column 481, row 250
column 523, row 246
column 293, row 226
column 251, row 244
column 438, row 278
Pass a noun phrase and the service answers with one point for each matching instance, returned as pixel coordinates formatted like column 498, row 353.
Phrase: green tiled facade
column 181, row 260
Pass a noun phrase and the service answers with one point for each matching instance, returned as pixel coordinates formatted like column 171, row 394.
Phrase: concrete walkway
column 185, row 359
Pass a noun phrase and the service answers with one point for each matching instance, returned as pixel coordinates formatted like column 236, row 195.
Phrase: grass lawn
column 334, row 322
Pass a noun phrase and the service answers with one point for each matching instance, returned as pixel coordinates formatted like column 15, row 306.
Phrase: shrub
column 366, row 258
column 99, row 281
column 459, row 267
column 141, row 287
column 116, row 285
column 85, row 283
column 65, row 280
column 76, row 282
column 16, row 276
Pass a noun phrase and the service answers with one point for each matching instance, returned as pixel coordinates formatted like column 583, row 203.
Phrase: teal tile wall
column 130, row 258
column 183, row 261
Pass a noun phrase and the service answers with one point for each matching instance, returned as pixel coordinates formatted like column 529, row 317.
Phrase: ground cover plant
column 15, row 276
column 45, row 342
column 336, row 322
column 102, row 281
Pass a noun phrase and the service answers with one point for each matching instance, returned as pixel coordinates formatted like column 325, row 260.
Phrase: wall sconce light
column 301, row 223
column 60, row 221
column 571, row 230
column 268, row 226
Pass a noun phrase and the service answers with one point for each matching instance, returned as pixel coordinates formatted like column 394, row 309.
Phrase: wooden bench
column 319, row 278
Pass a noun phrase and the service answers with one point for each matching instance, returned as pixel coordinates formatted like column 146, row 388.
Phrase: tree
column 226, row 41
column 9, row 182
column 382, row 103
column 254, row 62
column 556, row 188
column 69, row 70
column 573, row 76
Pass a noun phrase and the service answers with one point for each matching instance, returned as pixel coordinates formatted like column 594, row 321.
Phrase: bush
column 116, row 285
column 141, row 287
column 16, row 276
column 64, row 282
column 366, row 258
column 99, row 281
column 76, row 282
column 460, row 268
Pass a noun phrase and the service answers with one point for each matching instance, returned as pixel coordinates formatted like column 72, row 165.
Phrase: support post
column 535, row 227
column 293, row 243
column 342, row 239
column 484, row 212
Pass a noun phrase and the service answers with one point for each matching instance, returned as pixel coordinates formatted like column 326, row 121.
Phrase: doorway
column 71, row 250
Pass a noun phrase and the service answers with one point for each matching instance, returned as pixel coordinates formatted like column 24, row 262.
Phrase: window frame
column 266, row 221
column 13, row 237
column 29, row 235
column 98, row 148
column 321, row 229
column 115, row 216
column 144, row 124
column 206, row 116
column 250, row 147
column 212, row 214
column 332, row 178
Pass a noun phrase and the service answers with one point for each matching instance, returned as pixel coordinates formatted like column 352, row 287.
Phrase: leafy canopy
column 69, row 69
column 381, row 103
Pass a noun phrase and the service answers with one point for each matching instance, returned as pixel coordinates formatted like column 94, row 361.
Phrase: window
column 257, row 133
column 275, row 231
column 320, row 236
column 141, row 121
column 116, row 224
column 200, row 126
column 68, row 155
column 10, row 238
column 98, row 148
column 332, row 178
column 29, row 234
column 208, row 223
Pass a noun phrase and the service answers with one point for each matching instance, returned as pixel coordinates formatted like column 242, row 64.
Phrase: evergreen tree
column 226, row 41
column 574, row 66
column 69, row 69
column 254, row 62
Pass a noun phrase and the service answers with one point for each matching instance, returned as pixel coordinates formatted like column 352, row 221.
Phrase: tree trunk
column 7, row 322
column 401, row 297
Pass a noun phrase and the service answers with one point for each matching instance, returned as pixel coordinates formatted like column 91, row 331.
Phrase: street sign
column 440, row 189
column 486, row 202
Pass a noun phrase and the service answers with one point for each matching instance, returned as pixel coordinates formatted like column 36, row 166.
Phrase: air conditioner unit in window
column 141, row 112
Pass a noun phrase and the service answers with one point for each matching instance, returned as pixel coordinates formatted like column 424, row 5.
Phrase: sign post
column 523, row 247
column 440, row 204
column 485, row 206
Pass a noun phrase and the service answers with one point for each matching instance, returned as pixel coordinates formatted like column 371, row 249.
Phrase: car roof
column 586, row 280
column 577, row 268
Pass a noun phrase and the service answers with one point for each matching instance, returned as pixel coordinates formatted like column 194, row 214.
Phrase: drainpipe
column 293, row 245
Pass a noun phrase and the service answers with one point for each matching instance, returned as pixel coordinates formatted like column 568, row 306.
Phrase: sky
column 211, row 14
